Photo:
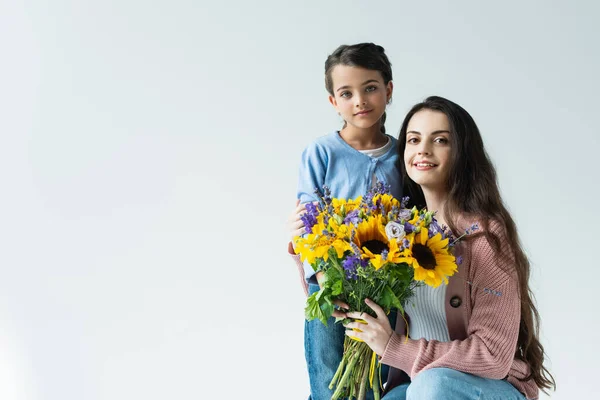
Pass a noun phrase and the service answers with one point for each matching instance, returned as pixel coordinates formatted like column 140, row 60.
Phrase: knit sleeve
column 296, row 259
column 492, row 331
column 313, row 168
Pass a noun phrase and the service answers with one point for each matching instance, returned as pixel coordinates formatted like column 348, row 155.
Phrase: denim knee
column 440, row 383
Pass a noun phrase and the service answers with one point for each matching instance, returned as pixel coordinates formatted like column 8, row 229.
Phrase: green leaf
column 327, row 310
column 313, row 309
column 389, row 299
column 336, row 288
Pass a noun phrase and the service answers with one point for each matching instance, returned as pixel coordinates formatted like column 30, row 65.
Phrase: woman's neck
column 435, row 199
column 364, row 139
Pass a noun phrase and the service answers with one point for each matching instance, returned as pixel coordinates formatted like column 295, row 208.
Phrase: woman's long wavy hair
column 365, row 55
column 473, row 190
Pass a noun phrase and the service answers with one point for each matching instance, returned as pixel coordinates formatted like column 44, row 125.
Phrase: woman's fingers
column 375, row 307
column 355, row 334
column 360, row 315
column 341, row 304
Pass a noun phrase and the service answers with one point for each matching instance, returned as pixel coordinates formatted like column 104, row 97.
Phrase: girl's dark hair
column 364, row 55
column 473, row 190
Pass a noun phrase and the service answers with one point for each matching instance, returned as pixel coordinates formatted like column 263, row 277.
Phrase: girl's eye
column 345, row 94
column 370, row 89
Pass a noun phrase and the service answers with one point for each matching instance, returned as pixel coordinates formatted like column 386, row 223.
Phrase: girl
column 359, row 81
column 477, row 337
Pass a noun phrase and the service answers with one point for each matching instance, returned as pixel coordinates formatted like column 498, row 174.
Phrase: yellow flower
column 430, row 258
column 387, row 201
column 317, row 244
column 349, row 205
column 371, row 239
column 393, row 256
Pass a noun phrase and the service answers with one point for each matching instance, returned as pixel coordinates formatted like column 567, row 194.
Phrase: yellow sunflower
column 371, row 239
column 430, row 258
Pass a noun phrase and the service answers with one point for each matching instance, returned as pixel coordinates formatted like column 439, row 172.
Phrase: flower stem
column 343, row 382
column 339, row 371
column 376, row 394
column 364, row 379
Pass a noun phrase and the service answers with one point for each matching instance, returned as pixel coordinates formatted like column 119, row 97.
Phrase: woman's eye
column 441, row 140
column 412, row 140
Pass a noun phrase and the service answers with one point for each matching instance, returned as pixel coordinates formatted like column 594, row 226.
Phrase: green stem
column 376, row 393
column 362, row 393
column 343, row 382
column 339, row 371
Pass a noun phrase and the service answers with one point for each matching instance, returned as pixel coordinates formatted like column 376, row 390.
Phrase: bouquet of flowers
column 370, row 247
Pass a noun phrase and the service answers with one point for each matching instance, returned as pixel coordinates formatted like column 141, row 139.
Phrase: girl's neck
column 436, row 198
column 364, row 139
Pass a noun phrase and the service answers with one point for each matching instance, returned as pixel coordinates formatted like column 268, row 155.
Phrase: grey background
column 148, row 161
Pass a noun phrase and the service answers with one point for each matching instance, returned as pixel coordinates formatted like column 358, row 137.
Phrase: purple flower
column 404, row 201
column 351, row 264
column 408, row 228
column 352, row 217
column 309, row 218
column 405, row 243
column 434, row 228
column 405, row 214
column 472, row 229
column 459, row 260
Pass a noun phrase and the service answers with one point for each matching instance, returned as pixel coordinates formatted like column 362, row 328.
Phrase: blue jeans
column 446, row 383
column 323, row 349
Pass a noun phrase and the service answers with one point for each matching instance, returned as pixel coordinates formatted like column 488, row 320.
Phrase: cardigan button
column 455, row 301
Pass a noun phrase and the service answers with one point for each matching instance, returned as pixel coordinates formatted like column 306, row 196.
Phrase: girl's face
column 360, row 96
column 427, row 155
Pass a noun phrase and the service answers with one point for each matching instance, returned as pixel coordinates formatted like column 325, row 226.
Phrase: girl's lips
column 363, row 112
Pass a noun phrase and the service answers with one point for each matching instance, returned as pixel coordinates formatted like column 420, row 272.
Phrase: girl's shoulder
column 325, row 143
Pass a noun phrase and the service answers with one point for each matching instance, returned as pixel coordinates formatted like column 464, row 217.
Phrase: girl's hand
column 296, row 228
column 294, row 223
column 376, row 333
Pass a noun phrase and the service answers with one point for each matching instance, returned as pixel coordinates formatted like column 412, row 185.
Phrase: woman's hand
column 337, row 313
column 376, row 333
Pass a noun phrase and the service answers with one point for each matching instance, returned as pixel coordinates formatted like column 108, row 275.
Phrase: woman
column 477, row 337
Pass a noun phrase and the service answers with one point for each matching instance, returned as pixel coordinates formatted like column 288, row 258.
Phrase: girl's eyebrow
column 363, row 84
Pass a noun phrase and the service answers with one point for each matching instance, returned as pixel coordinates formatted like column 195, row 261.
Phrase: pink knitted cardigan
column 483, row 327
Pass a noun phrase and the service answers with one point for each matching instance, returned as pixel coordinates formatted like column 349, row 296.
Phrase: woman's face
column 427, row 154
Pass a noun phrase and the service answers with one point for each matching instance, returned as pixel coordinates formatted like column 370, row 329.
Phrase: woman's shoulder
column 492, row 260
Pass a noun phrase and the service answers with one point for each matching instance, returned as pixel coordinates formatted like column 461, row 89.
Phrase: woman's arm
column 493, row 327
